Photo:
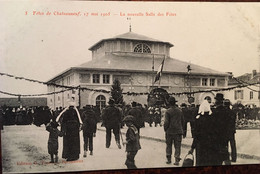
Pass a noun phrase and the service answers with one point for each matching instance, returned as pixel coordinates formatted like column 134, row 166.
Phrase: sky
column 221, row 36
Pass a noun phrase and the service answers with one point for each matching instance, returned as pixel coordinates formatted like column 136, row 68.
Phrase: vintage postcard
column 99, row 85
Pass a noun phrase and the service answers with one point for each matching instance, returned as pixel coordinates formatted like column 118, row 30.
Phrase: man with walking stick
column 111, row 116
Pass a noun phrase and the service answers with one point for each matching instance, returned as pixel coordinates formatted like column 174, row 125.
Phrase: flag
column 159, row 71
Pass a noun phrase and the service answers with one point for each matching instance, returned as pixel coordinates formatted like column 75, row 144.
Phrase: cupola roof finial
column 130, row 26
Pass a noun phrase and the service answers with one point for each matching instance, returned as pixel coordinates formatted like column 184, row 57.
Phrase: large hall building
column 130, row 58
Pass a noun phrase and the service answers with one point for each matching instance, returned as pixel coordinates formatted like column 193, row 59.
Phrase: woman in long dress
column 70, row 126
column 203, row 136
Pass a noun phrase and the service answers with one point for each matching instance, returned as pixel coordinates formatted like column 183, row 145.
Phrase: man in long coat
column 111, row 117
column 137, row 114
column 231, row 131
column 173, row 127
column 220, row 128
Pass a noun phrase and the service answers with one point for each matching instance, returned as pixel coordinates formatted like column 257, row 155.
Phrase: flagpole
column 161, row 71
column 160, row 81
column 153, row 73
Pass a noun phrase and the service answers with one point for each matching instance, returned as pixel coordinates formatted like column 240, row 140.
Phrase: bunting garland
column 33, row 95
column 68, row 88
column 241, row 81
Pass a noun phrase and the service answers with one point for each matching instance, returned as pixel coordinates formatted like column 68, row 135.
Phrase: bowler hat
column 111, row 101
column 134, row 104
column 183, row 105
column 128, row 118
column 172, row 100
column 226, row 102
column 219, row 96
column 88, row 106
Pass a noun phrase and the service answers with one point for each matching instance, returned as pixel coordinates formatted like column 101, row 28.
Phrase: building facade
column 133, row 59
column 249, row 95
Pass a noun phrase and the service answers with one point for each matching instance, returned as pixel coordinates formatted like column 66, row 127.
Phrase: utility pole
column 79, row 96
column 54, row 98
column 131, row 88
column 190, row 98
column 189, row 80
column 153, row 72
column 259, row 65
column 62, row 92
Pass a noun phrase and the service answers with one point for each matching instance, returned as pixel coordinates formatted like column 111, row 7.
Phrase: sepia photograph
column 106, row 85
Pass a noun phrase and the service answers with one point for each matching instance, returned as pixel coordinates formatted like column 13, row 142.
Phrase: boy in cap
column 53, row 140
column 89, row 129
column 132, row 142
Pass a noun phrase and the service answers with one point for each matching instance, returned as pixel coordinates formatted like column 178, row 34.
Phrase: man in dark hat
column 220, row 127
column 111, row 116
column 132, row 142
column 231, row 131
column 187, row 114
column 119, row 107
column 137, row 114
column 173, row 127
column 219, row 97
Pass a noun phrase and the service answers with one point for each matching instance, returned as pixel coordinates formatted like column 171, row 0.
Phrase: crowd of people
column 212, row 127
column 25, row 115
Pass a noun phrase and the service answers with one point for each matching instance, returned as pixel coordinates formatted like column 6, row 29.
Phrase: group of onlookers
column 25, row 116
column 212, row 127
column 249, row 112
column 113, row 117
column 72, row 121
column 36, row 115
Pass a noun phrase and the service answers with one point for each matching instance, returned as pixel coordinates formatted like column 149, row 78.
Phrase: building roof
column 246, row 78
column 131, row 36
column 139, row 62
column 132, row 62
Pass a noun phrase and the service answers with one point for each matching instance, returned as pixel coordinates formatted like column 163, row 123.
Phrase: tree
column 116, row 92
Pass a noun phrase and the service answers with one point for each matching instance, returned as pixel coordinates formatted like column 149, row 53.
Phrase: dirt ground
column 24, row 150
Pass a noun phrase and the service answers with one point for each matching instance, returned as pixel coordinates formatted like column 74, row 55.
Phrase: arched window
column 142, row 48
column 101, row 102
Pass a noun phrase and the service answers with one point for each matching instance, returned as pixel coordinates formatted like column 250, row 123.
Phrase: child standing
column 132, row 142
column 53, row 140
column 89, row 129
